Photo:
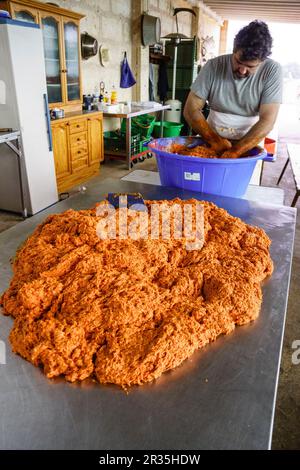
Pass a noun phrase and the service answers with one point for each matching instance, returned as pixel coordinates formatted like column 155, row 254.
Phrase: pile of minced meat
column 124, row 311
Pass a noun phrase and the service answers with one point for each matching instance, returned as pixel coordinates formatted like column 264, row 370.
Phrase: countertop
column 8, row 135
column 223, row 397
column 75, row 114
column 135, row 111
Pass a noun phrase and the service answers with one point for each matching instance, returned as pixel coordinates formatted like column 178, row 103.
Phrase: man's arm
column 267, row 118
column 194, row 117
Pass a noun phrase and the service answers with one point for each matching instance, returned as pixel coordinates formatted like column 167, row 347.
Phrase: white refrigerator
column 24, row 108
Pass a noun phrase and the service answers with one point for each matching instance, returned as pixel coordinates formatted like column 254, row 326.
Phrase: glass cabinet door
column 51, row 33
column 22, row 13
column 25, row 16
column 72, row 61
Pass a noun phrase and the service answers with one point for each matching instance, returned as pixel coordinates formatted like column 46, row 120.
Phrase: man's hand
column 220, row 145
column 193, row 115
column 267, row 118
column 230, row 154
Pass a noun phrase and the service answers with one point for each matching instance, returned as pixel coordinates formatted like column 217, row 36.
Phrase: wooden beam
column 139, row 55
column 252, row 3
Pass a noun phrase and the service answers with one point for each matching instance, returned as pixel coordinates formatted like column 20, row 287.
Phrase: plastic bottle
column 105, row 99
column 102, row 91
column 114, row 95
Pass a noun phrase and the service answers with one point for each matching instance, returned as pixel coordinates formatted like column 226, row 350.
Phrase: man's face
column 243, row 68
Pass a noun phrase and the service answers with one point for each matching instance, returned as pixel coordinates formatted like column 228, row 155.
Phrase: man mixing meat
column 244, row 91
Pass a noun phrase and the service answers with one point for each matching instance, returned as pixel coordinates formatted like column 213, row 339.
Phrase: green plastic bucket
column 141, row 124
column 170, row 129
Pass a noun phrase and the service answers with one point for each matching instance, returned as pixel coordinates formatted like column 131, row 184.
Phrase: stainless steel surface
column 89, row 46
column 151, row 29
column 137, row 111
column 8, row 136
column 11, row 178
column 128, row 142
column 223, row 397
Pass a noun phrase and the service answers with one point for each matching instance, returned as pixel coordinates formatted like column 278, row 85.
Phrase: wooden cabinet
column 96, row 152
column 78, row 148
column 60, row 28
column 60, row 138
column 77, row 138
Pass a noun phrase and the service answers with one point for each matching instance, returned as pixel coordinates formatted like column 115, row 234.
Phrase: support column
column 140, row 55
column 196, row 29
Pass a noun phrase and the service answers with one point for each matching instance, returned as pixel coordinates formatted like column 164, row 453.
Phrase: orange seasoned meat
column 199, row 151
column 205, row 152
column 124, row 311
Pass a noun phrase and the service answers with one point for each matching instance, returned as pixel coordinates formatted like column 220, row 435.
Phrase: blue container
column 222, row 176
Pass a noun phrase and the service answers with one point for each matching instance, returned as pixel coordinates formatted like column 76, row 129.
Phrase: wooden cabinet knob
column 78, row 139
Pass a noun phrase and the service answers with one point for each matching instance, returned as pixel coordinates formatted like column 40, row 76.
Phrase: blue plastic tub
column 226, row 177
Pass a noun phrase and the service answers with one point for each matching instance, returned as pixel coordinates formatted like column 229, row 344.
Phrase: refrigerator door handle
column 47, row 114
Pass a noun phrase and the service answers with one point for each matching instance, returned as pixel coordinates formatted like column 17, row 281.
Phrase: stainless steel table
column 135, row 111
column 223, row 397
column 12, row 139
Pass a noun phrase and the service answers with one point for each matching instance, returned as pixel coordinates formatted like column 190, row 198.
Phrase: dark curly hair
column 254, row 41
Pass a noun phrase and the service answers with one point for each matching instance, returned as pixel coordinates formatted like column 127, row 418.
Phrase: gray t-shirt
column 216, row 84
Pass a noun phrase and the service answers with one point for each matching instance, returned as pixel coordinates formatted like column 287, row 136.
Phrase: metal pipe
column 174, row 73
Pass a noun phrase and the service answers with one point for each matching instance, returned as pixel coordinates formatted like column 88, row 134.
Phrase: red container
column 270, row 145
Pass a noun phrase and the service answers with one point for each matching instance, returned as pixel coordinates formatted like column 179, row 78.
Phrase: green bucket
column 170, row 129
column 141, row 124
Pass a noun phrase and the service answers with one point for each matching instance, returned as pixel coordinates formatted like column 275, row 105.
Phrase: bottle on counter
column 107, row 98
column 102, row 91
column 95, row 101
column 114, row 95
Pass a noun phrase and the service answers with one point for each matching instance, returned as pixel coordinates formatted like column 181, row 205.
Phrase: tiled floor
column 286, row 429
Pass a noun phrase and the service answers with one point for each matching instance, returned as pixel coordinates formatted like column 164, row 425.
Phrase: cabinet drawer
column 77, row 140
column 79, row 164
column 79, row 152
column 78, row 126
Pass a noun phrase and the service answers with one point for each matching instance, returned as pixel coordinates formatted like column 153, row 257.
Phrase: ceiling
column 283, row 11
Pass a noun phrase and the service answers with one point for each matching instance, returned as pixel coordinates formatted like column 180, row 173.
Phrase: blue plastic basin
column 222, row 176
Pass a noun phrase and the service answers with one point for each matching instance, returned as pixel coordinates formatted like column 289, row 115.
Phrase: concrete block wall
column 209, row 27
column 164, row 9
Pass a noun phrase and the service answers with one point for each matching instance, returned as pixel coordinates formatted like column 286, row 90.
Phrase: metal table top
column 223, row 397
column 137, row 111
column 7, row 136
